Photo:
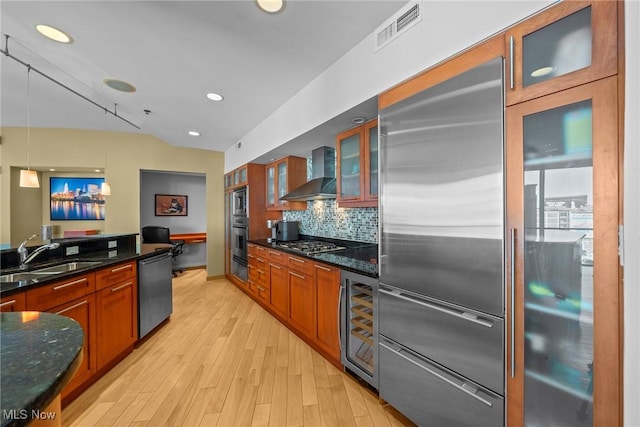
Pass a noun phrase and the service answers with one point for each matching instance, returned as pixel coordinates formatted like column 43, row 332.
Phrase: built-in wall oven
column 239, row 233
column 359, row 325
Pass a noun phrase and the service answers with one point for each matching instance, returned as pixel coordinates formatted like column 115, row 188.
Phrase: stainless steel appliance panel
column 431, row 395
column 442, row 190
column 464, row 271
column 466, row 341
column 155, row 292
column 239, row 268
column 239, row 242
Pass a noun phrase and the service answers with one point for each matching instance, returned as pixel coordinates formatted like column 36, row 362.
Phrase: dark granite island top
column 39, row 353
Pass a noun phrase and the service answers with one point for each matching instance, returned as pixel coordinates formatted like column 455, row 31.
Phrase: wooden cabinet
column 16, row 302
column 83, row 311
column 302, row 298
column 279, row 294
column 117, row 311
column 73, row 297
column 236, row 178
column 357, row 166
column 301, row 292
column 60, row 292
column 282, row 176
column 563, row 353
column 327, row 288
column 573, row 43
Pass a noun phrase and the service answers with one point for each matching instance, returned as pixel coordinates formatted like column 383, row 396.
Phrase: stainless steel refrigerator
column 441, row 293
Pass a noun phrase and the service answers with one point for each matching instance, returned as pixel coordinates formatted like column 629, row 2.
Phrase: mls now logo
column 23, row 414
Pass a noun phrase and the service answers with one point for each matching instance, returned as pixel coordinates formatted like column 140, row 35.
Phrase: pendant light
column 29, row 178
column 105, row 188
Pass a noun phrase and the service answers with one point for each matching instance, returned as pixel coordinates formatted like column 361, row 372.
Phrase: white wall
column 632, row 217
column 363, row 73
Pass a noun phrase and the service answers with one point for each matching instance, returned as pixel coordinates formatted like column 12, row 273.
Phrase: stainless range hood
column 323, row 182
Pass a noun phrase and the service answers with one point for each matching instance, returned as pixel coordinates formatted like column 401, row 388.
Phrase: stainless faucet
column 23, row 252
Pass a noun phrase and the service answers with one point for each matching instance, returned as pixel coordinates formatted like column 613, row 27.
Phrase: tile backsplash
column 323, row 218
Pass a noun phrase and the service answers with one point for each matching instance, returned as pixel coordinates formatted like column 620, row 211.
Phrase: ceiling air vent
column 402, row 21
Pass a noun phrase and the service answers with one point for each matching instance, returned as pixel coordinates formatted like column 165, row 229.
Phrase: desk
column 190, row 238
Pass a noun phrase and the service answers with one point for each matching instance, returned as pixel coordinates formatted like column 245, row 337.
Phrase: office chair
column 157, row 234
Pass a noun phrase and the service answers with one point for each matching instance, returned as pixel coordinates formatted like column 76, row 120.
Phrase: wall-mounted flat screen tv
column 76, row 199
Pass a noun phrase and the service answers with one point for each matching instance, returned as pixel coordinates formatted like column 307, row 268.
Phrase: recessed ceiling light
column 215, row 96
column 359, row 120
column 54, row 34
column 194, row 133
column 52, row 170
column 543, row 71
column 97, row 170
column 120, row 85
column 270, row 6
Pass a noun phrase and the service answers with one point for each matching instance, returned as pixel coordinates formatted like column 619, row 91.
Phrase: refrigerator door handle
column 469, row 389
column 513, row 299
column 465, row 315
column 342, row 345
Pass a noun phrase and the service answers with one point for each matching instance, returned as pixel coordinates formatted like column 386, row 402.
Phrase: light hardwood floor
column 223, row 361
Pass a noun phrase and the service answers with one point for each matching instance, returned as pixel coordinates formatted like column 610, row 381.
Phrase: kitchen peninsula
column 93, row 280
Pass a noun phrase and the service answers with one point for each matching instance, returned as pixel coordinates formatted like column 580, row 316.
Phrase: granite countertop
column 104, row 258
column 358, row 257
column 39, row 353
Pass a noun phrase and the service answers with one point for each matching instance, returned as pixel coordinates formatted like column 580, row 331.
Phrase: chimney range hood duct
column 323, row 182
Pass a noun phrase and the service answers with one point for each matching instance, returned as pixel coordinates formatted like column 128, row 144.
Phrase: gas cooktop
column 309, row 247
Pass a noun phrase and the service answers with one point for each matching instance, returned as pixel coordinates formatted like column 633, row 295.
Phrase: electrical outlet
column 72, row 250
column 113, row 244
column 113, row 254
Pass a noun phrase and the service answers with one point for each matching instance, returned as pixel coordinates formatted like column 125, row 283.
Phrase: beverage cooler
column 359, row 325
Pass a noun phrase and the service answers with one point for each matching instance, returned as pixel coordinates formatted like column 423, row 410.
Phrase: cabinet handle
column 124, row 267
column 513, row 299
column 261, row 289
column 8, row 303
column 511, row 61
column 297, row 260
column 274, row 253
column 322, row 268
column 297, row 275
column 66, row 285
column 72, row 307
column 121, row 286
column 275, row 266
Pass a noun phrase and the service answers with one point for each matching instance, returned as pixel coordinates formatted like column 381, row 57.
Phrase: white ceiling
column 174, row 52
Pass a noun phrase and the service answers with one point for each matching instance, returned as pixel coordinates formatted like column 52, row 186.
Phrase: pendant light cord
column 28, row 118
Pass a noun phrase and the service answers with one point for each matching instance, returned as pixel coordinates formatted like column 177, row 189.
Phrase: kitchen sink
column 67, row 267
column 41, row 273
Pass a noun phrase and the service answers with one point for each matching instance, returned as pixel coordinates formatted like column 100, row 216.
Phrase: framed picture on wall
column 171, row 205
column 78, row 199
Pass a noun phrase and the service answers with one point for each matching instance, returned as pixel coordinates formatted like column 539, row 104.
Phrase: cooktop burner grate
column 310, row 246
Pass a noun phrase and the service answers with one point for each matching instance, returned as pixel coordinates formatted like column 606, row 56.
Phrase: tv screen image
column 76, row 199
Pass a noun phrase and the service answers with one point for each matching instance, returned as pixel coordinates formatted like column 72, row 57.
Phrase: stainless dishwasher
column 155, row 293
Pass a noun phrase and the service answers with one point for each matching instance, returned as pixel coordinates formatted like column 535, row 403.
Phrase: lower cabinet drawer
column 431, row 395
column 116, row 273
column 61, row 292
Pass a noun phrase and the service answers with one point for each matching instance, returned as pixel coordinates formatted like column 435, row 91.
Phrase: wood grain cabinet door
column 83, row 311
column 327, row 288
column 278, row 297
column 302, row 303
column 16, row 302
column 117, row 320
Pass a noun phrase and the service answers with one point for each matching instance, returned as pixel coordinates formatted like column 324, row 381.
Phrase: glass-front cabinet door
column 282, row 180
column 371, row 160
column 349, row 147
column 271, row 185
column 562, row 209
column 571, row 44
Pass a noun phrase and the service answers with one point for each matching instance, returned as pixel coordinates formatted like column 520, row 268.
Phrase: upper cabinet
column 282, row 176
column 568, row 45
column 236, row 178
column 357, row 166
